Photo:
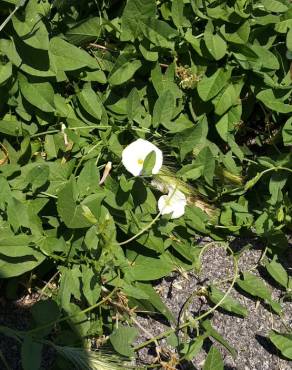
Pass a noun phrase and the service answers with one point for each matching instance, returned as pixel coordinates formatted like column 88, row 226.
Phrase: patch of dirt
column 246, row 335
column 16, row 315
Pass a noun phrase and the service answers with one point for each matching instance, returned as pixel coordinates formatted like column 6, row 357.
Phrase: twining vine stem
column 207, row 313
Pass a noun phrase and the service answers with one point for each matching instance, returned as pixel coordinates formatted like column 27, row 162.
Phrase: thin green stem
column 69, row 128
column 188, row 301
column 207, row 313
column 70, row 247
column 194, row 117
column 251, row 183
column 49, row 195
column 141, row 231
column 9, row 17
column 146, row 130
column 82, row 158
column 44, row 133
column 151, row 223
column 47, row 284
column 88, row 127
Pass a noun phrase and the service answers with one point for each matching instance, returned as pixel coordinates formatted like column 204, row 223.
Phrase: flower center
column 168, row 202
column 140, row 161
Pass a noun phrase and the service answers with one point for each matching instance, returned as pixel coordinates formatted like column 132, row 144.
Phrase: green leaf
column 283, row 342
column 5, row 72
column 32, row 31
column 179, row 124
column 278, row 273
column 151, row 56
column 49, row 245
column 88, row 180
column 274, row 6
column 148, row 268
column 39, row 94
column 165, row 81
column 214, row 360
column 177, row 13
column 122, row 338
column 156, row 301
column 237, row 34
column 149, row 163
column 266, row 58
column 229, row 304
column 210, row 331
column 90, row 101
column 229, row 97
column 95, row 76
column 209, row 87
column 216, row 46
column 16, row 246
column 32, row 61
column 206, row 159
column 134, row 106
column 132, row 290
column 256, row 287
column 79, row 321
column 227, row 123
column 44, row 312
column 67, row 57
column 14, row 128
column 163, row 108
column 135, row 9
column 84, row 32
column 90, row 285
column 191, row 349
column 287, row 132
column 18, row 266
column 59, row 174
column 158, row 32
column 289, row 39
column 31, row 354
column 252, row 182
column 190, row 138
column 190, row 172
column 70, row 212
column 283, row 26
column 270, row 101
column 69, row 285
column 123, row 70
column 18, row 254
column 38, row 176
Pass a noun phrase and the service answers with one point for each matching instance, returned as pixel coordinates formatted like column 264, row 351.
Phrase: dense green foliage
column 206, row 81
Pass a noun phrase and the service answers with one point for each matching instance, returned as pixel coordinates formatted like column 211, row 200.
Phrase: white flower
column 174, row 202
column 134, row 155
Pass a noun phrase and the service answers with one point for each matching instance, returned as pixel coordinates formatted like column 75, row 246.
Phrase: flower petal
column 173, row 203
column 163, row 206
column 135, row 153
column 176, row 195
column 178, row 211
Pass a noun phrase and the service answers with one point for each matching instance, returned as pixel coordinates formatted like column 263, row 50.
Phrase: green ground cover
column 128, row 129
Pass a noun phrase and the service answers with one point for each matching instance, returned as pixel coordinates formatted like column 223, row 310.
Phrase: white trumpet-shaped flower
column 174, row 202
column 134, row 155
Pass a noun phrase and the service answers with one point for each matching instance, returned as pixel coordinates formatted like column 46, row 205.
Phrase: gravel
column 246, row 335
